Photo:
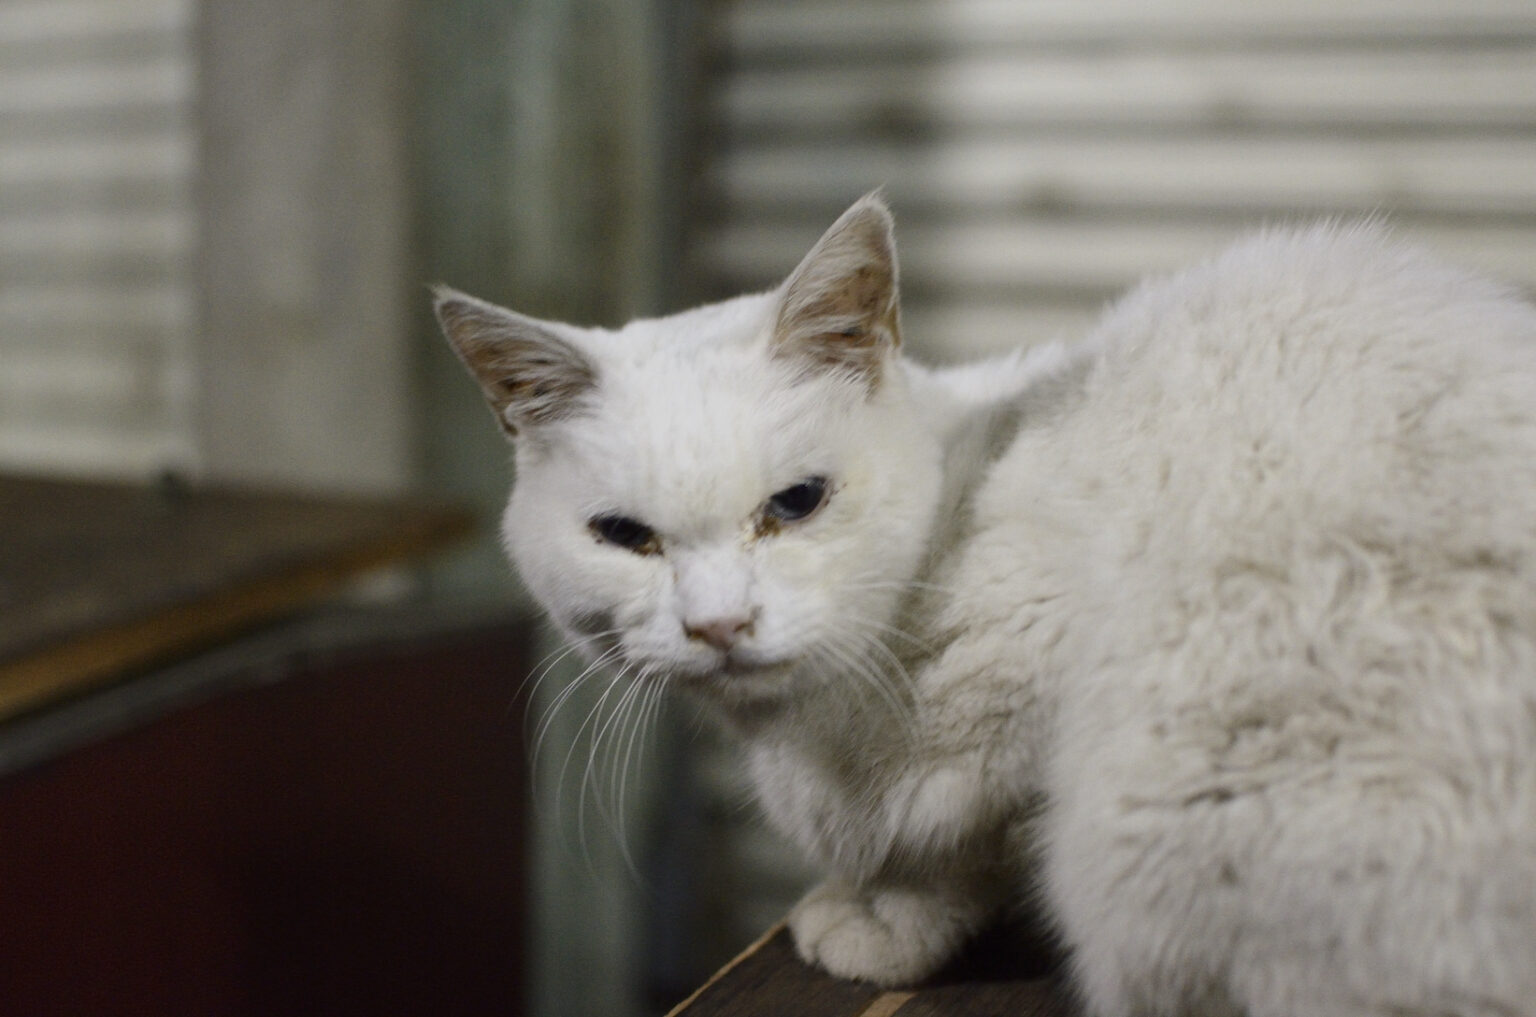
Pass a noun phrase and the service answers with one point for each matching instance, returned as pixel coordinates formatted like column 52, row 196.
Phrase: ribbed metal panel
column 96, row 235
column 1043, row 155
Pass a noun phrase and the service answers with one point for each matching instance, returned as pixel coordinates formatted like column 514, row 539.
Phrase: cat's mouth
column 734, row 666
column 733, row 673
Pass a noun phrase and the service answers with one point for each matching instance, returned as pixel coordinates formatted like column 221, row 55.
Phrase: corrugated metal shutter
column 1042, row 154
column 96, row 232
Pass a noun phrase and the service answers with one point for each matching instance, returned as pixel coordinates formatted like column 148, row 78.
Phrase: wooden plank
column 97, row 579
column 1009, row 970
column 998, row 999
column 768, row 980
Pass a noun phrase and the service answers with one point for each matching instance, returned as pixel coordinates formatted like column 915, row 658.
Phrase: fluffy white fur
column 1216, row 630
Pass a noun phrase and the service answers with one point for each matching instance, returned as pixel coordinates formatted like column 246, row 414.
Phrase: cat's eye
column 630, row 534
column 798, row 502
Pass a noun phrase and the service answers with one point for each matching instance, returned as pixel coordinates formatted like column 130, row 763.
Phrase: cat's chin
column 732, row 681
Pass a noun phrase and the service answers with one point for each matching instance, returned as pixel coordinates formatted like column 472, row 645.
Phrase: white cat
column 1216, row 630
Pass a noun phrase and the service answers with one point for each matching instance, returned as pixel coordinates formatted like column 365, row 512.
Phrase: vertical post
column 303, row 244
column 542, row 132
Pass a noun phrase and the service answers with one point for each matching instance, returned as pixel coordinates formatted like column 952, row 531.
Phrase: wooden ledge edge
column 730, row 966
column 95, row 659
column 887, row 1004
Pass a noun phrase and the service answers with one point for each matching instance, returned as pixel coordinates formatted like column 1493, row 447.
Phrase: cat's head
column 731, row 498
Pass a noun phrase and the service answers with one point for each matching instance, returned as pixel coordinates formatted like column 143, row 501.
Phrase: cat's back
column 1284, row 474
column 1276, row 562
column 1327, row 361
column 1323, row 385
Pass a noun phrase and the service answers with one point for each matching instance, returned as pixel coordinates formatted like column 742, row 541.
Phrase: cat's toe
column 889, row 937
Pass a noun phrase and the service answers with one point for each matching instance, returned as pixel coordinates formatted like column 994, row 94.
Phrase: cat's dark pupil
column 623, row 531
column 799, row 501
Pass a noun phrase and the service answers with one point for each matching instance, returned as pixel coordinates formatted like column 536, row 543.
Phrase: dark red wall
column 350, row 840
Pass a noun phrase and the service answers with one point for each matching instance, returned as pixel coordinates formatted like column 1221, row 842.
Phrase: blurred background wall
column 97, row 229
column 1042, row 155
column 217, row 219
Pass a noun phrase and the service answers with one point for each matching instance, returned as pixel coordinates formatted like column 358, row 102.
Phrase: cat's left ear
column 840, row 308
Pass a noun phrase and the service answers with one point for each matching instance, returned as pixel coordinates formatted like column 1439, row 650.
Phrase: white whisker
column 611, row 734
column 899, row 584
column 598, row 723
column 606, row 742
column 529, row 689
column 552, row 711
column 853, row 662
column 542, row 670
column 640, row 728
column 882, row 629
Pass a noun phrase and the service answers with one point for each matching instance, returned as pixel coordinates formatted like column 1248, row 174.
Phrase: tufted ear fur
column 528, row 374
column 840, row 308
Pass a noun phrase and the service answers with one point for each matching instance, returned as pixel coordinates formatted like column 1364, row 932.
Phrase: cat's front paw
column 888, row 935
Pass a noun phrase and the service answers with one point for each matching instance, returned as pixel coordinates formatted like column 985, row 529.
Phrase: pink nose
column 721, row 633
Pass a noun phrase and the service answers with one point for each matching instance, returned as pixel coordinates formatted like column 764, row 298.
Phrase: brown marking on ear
column 527, row 373
column 841, row 307
column 868, row 316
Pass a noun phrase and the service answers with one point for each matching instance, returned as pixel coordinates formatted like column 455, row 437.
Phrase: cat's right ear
column 528, row 373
